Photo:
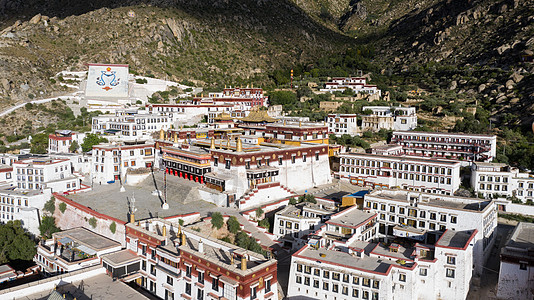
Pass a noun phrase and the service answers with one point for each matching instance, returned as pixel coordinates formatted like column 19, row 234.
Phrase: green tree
column 50, row 205
column 48, row 226
column 285, row 98
column 62, row 207
column 217, row 220
column 15, row 243
column 74, row 147
column 39, row 144
column 90, row 140
column 304, row 91
column 233, row 225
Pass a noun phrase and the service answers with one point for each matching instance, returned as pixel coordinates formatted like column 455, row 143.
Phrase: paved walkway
column 12, row 109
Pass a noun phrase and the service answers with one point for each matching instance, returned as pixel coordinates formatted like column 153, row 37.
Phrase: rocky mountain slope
column 481, row 50
column 215, row 43
column 466, row 53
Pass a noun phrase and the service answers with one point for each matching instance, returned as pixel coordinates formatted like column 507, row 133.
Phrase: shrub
column 50, row 205
column 48, row 226
column 310, row 198
column 92, row 222
column 259, row 212
column 113, row 227
column 217, row 220
column 226, row 239
column 264, row 223
column 233, row 225
column 62, row 207
column 292, row 201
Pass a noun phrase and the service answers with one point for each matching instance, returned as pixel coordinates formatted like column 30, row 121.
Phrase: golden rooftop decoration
column 239, row 145
column 223, row 117
column 212, row 146
column 258, row 116
column 161, row 134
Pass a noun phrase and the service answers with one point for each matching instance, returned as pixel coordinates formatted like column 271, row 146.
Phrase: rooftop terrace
column 455, row 239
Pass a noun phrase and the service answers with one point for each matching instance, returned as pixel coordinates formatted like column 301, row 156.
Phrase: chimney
column 243, row 263
column 200, row 246
column 239, row 145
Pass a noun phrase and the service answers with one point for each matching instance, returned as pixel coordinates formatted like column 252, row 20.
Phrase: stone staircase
column 264, row 193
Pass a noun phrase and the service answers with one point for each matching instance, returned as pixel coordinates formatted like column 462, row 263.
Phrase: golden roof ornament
column 239, row 145
column 161, row 134
column 212, row 146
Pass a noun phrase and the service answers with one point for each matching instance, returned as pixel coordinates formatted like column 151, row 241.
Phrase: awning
column 132, row 277
column 65, row 240
column 86, row 250
column 229, row 281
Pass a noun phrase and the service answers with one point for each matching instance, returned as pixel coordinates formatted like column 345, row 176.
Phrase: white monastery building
column 61, row 141
column 389, row 118
column 459, row 146
column 357, row 84
column 112, row 161
column 418, row 174
column 340, row 124
column 496, row 179
column 294, row 223
column 516, row 275
column 355, row 257
column 72, row 250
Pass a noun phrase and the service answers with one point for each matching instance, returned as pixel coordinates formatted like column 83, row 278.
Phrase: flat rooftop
column 451, row 202
column 297, row 211
column 522, row 236
column 88, row 238
column 220, row 254
column 121, row 257
column 454, row 239
column 182, row 196
column 11, row 190
column 353, row 218
column 404, row 158
column 124, row 146
column 96, row 287
column 441, row 134
column 402, row 253
column 367, row 263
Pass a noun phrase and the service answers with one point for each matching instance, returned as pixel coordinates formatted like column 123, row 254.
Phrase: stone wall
column 77, row 215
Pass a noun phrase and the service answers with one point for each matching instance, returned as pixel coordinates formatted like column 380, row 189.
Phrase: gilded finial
column 239, row 145
column 212, row 146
